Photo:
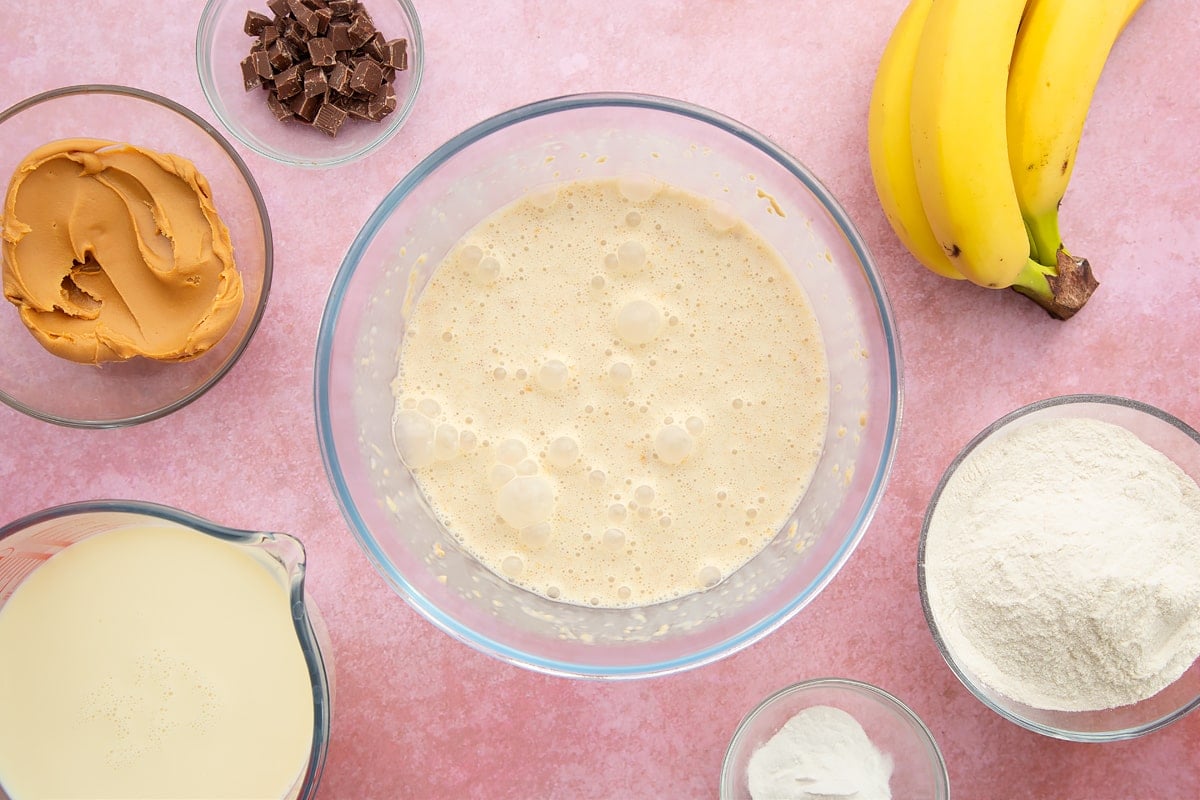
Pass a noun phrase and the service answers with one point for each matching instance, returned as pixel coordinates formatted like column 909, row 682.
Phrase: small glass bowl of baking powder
column 896, row 741
column 222, row 43
column 1163, row 621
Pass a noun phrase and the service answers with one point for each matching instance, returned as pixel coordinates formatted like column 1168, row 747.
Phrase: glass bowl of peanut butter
column 137, row 256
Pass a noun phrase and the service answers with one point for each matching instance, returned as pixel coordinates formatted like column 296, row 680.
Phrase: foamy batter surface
column 612, row 392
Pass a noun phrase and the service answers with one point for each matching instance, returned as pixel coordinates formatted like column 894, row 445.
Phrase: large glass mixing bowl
column 486, row 168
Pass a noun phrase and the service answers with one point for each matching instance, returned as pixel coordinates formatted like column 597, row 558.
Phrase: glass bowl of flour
column 608, row 386
column 832, row 737
column 1058, row 564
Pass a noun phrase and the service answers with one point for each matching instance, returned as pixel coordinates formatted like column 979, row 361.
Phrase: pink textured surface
column 419, row 715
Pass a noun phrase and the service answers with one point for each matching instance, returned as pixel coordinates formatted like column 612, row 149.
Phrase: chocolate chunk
column 361, row 30
column 315, row 83
column 382, row 104
column 339, row 34
column 324, row 16
column 306, row 107
column 278, row 7
column 367, row 77
column 321, row 51
column 277, row 107
column 395, row 54
column 250, row 76
column 374, row 46
column 269, row 35
column 288, row 83
column 341, row 8
column 357, row 108
column 329, row 119
column 339, row 78
column 255, row 22
column 280, row 55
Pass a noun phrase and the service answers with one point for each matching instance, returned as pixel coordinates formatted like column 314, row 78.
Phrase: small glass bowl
column 221, row 44
column 116, row 394
column 26, row 544
column 918, row 769
column 1163, row 432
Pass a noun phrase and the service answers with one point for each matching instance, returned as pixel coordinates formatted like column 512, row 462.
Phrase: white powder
column 1061, row 565
column 821, row 753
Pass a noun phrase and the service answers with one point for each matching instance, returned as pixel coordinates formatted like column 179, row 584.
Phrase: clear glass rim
column 942, row 777
column 313, row 657
column 972, row 687
column 204, row 39
column 268, row 254
column 349, row 266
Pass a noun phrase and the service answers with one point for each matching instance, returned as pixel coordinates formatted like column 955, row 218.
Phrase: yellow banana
column 1060, row 51
column 959, row 139
column 889, row 142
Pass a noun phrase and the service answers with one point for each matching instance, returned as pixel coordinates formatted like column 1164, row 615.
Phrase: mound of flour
column 1063, row 566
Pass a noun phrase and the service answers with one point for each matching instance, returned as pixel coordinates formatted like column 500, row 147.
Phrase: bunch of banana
column 975, row 118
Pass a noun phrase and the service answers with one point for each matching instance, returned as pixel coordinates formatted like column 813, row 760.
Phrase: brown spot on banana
column 954, row 251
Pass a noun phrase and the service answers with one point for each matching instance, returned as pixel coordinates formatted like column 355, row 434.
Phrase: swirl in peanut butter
column 113, row 251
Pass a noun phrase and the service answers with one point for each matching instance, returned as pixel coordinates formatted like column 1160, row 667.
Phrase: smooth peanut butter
column 113, row 251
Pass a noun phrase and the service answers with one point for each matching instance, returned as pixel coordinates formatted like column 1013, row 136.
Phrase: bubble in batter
column 414, row 436
column 614, row 538
column 708, row 576
column 536, row 536
column 445, row 442
column 467, row 441
column 500, row 474
column 694, row 425
column 552, row 376
column 639, row 322
column 620, row 373
column 487, row 270
column 673, row 444
column 512, row 566
column 470, row 256
column 429, row 407
column 525, row 500
column 644, row 494
column 596, row 477
column 510, row 451
column 638, row 188
column 616, row 512
column 633, row 219
column 631, row 257
column 563, row 452
column 527, row 467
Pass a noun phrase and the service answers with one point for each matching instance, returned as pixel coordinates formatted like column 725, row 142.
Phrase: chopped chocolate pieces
column 395, row 54
column 322, row 62
column 367, row 77
column 329, row 119
column 279, row 55
column 320, row 49
column 339, row 34
column 339, row 79
column 255, row 22
column 306, row 107
column 316, row 84
column 277, row 107
column 288, row 83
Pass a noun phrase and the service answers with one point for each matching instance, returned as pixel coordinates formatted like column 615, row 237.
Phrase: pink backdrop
column 419, row 715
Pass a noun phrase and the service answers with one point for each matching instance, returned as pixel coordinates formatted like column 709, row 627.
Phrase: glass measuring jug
column 29, row 543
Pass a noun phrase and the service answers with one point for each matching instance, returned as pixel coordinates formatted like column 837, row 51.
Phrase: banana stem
column 1062, row 289
column 1044, row 238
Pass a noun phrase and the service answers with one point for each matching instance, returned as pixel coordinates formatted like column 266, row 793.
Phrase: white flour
column 1061, row 566
column 821, row 753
